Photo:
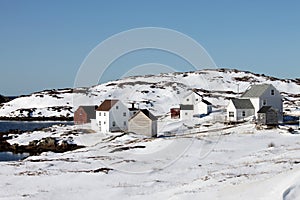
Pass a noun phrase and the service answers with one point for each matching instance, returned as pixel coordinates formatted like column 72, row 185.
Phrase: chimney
column 96, row 107
column 132, row 105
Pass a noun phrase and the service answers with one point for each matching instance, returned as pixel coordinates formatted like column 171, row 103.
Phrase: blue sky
column 43, row 43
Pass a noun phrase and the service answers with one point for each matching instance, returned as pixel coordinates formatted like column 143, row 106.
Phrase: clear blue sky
column 43, row 43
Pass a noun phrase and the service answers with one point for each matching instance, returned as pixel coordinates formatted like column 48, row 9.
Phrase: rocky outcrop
column 38, row 146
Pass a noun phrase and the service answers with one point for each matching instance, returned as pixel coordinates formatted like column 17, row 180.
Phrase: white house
column 143, row 122
column 186, row 111
column 264, row 95
column 239, row 109
column 252, row 100
column 112, row 115
column 194, row 104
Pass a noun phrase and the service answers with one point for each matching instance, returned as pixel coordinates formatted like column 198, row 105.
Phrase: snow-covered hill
column 158, row 93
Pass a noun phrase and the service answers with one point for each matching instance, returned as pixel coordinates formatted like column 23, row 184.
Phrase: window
column 243, row 113
column 196, row 99
column 186, row 113
column 231, row 114
column 124, row 114
column 104, row 114
column 99, row 113
column 104, row 122
column 113, row 123
column 187, row 99
column 117, row 107
column 272, row 92
column 124, row 123
column 265, row 102
column 99, row 122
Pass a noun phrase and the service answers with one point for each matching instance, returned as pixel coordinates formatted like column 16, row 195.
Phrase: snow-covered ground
column 158, row 93
column 236, row 162
column 197, row 159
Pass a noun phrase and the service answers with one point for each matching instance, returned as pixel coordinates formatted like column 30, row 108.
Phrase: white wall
column 94, row 125
column 202, row 108
column 238, row 113
column 199, row 106
column 186, row 114
column 231, row 108
column 116, row 114
column 191, row 99
column 102, row 119
column 114, row 119
column 256, row 102
column 141, row 124
column 248, row 113
column 271, row 100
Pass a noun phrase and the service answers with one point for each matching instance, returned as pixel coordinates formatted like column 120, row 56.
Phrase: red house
column 175, row 113
column 84, row 114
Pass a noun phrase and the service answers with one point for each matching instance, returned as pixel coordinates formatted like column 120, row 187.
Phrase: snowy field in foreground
column 236, row 163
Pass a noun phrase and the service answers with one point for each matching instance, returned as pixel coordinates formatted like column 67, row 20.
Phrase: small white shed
column 239, row 109
column 144, row 123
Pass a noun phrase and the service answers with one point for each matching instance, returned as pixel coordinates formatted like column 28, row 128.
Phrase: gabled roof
column 206, row 102
column 256, row 90
column 265, row 109
column 186, row 107
column 147, row 113
column 89, row 110
column 192, row 92
column 107, row 104
column 202, row 100
column 242, row 103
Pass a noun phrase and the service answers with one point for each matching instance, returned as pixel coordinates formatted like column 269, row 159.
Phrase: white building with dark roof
column 264, row 95
column 252, row 100
column 194, row 104
column 112, row 115
column 143, row 122
column 239, row 109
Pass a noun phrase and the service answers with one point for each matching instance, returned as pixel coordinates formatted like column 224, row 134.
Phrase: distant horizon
column 44, row 43
column 59, row 88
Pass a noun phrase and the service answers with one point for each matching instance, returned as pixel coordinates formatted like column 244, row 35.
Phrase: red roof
column 107, row 105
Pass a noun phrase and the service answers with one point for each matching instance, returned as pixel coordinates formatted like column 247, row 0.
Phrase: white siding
column 270, row 100
column 102, row 119
column 141, row 124
column 256, row 102
column 116, row 116
column 202, row 108
column 114, row 119
column 199, row 106
column 231, row 108
column 186, row 114
column 238, row 113
column 191, row 99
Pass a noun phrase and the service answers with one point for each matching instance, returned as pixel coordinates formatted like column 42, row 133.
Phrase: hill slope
column 158, row 93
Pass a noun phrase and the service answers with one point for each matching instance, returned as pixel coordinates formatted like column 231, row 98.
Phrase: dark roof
column 206, row 102
column 132, row 109
column 186, row 107
column 256, row 90
column 107, row 105
column 147, row 113
column 265, row 109
column 90, row 111
column 203, row 100
column 242, row 104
